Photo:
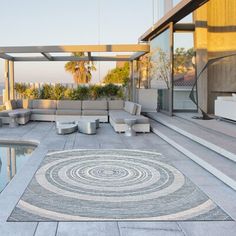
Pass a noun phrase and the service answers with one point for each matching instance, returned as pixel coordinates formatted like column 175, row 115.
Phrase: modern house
column 187, row 36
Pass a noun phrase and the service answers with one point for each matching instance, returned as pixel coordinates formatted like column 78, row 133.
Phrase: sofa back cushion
column 69, row 105
column 19, row 103
column 11, row 105
column 94, row 105
column 130, row 107
column 138, row 109
column 116, row 105
column 44, row 104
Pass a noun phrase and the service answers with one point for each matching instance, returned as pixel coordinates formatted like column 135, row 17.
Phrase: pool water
column 12, row 159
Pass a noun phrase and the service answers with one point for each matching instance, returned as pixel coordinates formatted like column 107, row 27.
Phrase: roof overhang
column 45, row 52
column 181, row 10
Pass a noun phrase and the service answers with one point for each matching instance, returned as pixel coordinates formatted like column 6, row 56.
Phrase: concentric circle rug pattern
column 103, row 185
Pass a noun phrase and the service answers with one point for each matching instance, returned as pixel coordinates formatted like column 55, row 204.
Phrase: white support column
column 12, row 80
column 131, row 89
column 6, row 78
column 13, row 161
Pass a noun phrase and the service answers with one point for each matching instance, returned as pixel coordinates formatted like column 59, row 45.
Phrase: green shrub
column 82, row 93
column 21, row 89
column 58, row 92
column 120, row 93
column 32, row 93
column 70, row 94
column 111, row 90
column 46, row 92
column 96, row 92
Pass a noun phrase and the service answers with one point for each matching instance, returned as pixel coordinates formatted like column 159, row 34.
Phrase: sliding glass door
column 161, row 68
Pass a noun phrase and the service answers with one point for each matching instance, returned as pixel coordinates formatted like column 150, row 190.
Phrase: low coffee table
column 87, row 126
column 66, row 128
column 130, row 132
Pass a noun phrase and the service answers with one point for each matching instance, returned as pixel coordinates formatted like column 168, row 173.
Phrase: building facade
column 185, row 39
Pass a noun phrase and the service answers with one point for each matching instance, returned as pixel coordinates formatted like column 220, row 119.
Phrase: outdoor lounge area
column 126, row 128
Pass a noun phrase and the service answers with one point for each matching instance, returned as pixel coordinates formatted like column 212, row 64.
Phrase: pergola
column 130, row 53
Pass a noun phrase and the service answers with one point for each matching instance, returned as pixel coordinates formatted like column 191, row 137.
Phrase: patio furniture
column 98, row 109
column 43, row 109
column 19, row 108
column 119, row 111
column 225, row 107
column 87, row 127
column 13, row 119
column 130, row 132
column 97, row 121
column 113, row 111
column 66, row 128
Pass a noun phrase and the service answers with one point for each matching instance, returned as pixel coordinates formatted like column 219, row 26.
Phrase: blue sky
column 52, row 22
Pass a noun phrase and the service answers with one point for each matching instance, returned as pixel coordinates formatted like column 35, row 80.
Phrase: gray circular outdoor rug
column 83, row 185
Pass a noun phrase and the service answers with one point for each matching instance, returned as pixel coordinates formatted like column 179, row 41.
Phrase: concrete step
column 218, row 142
column 216, row 164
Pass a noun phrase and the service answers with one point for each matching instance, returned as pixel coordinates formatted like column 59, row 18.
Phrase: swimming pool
column 12, row 159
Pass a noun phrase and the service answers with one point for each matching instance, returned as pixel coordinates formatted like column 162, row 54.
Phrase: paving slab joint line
column 153, row 229
column 36, row 229
column 118, row 227
column 56, row 229
column 181, row 229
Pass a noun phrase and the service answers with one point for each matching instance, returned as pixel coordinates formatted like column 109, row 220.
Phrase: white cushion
column 130, row 107
column 94, row 105
column 116, row 104
column 234, row 96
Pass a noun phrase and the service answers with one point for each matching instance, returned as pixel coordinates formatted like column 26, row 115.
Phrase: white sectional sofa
column 18, row 106
column 43, row 110
column 119, row 111
column 114, row 111
column 225, row 107
column 99, row 109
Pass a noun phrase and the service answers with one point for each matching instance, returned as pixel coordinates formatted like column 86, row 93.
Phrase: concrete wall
column 215, row 36
column 148, row 99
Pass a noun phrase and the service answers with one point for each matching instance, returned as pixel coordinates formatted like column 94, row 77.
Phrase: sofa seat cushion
column 44, row 104
column 44, row 111
column 119, row 117
column 130, row 107
column 94, row 113
column 94, row 105
column 116, row 104
column 68, row 112
column 69, row 105
column 22, row 112
column 4, row 114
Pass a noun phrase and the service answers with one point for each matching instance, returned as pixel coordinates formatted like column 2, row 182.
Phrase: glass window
column 160, row 68
column 184, row 71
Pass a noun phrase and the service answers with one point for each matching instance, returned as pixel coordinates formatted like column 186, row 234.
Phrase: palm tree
column 81, row 70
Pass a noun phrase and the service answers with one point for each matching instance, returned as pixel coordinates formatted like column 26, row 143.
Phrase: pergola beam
column 47, row 56
column 72, row 58
column 77, row 48
column 137, row 55
column 6, row 57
